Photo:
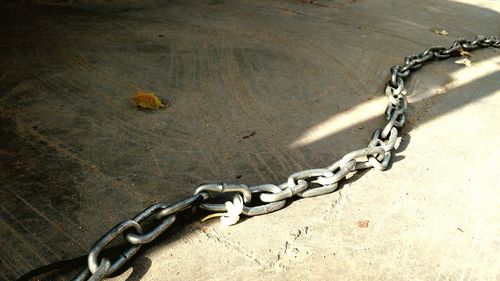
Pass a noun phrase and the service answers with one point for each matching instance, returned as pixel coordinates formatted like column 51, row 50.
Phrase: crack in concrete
column 212, row 235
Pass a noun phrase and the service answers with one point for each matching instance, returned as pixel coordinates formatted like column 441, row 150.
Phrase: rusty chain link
column 307, row 183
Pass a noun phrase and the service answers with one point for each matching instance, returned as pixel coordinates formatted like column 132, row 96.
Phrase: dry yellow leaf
column 464, row 53
column 464, row 61
column 440, row 91
column 440, row 31
column 147, row 100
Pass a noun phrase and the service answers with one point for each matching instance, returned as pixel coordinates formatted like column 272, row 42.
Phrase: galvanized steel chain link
column 307, row 183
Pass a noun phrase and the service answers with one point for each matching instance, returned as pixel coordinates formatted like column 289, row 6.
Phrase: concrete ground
column 256, row 90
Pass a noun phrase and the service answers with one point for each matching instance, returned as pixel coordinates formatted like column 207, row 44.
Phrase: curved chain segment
column 265, row 208
column 376, row 155
column 114, row 233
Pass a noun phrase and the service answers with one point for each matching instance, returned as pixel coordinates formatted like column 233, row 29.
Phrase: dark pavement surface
column 76, row 156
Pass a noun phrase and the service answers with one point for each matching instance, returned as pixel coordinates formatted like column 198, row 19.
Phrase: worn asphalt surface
column 256, row 90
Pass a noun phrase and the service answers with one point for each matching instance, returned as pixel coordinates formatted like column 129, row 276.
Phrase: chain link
column 307, row 183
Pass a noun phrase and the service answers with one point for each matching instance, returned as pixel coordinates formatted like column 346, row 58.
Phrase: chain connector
column 223, row 188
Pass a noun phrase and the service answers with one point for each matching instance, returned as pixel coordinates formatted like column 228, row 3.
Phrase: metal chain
column 307, row 183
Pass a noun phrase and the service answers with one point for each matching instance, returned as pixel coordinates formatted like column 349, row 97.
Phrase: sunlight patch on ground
column 344, row 120
column 466, row 75
column 357, row 115
column 487, row 4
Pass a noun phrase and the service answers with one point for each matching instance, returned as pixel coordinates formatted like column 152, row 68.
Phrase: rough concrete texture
column 76, row 156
